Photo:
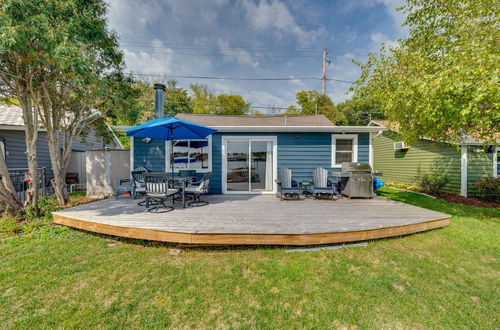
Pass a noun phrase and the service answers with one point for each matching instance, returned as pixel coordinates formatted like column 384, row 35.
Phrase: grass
column 446, row 278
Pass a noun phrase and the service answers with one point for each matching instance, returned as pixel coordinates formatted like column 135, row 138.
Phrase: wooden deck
column 255, row 220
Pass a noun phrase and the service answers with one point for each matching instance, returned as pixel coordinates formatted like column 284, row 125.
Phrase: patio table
column 183, row 181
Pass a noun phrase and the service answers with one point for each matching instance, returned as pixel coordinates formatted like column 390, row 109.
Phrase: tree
column 25, row 53
column 56, row 52
column 205, row 101
column 312, row 103
column 292, row 111
column 358, row 111
column 442, row 81
column 177, row 99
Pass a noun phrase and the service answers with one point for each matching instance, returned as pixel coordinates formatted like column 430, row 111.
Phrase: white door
column 249, row 165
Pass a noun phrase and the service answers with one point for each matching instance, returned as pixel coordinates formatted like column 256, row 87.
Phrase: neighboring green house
column 464, row 164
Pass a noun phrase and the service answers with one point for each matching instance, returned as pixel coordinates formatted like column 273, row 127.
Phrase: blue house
column 246, row 151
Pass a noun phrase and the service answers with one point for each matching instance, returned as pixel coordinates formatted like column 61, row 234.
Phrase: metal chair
column 286, row 185
column 321, row 183
column 196, row 189
column 139, row 185
column 188, row 173
column 158, row 192
column 124, row 186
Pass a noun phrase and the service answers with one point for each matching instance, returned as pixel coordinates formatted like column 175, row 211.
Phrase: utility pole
column 323, row 77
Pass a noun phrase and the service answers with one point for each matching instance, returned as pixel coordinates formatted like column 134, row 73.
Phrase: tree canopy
column 312, row 102
column 205, row 101
column 442, row 81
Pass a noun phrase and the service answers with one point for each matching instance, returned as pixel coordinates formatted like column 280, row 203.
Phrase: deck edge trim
column 250, row 239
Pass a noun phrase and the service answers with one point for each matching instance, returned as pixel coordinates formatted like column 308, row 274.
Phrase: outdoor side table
column 305, row 187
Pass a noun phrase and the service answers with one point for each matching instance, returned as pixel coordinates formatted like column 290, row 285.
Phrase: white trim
column 131, row 154
column 115, row 138
column 274, row 139
column 201, row 170
column 370, row 149
column 3, row 149
column 167, row 156
column 496, row 153
column 354, row 138
column 276, row 129
column 463, row 170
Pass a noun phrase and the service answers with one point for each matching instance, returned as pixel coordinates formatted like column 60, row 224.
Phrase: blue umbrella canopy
column 170, row 128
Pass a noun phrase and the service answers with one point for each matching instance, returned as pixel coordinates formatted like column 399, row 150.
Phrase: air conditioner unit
column 400, row 145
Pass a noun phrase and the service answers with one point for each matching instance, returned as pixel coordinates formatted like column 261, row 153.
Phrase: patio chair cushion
column 169, row 192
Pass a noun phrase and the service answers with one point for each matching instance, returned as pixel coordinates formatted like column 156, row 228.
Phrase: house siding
column 479, row 165
column 422, row 157
column 15, row 147
column 300, row 152
column 150, row 155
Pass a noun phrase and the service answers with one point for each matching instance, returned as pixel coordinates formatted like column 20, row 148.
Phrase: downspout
column 463, row 170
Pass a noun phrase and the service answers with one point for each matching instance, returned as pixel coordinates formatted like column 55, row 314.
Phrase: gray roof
column 11, row 115
column 227, row 120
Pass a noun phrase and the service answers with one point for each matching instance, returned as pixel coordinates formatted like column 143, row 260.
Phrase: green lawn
column 446, row 278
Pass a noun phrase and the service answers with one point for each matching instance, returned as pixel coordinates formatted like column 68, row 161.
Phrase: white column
column 131, row 154
column 463, row 170
column 371, row 149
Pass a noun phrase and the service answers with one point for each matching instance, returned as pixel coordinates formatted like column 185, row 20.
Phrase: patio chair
column 158, row 192
column 124, row 186
column 138, row 183
column 188, row 173
column 287, row 186
column 196, row 189
column 321, row 183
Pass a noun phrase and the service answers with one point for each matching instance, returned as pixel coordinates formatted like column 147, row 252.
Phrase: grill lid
column 356, row 167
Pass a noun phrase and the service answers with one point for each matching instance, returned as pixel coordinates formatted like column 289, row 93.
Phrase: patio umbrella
column 170, row 128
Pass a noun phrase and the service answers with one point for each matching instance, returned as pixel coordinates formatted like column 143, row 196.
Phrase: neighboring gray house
column 13, row 146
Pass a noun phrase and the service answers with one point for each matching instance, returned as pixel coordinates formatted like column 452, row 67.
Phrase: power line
column 165, row 75
column 222, row 55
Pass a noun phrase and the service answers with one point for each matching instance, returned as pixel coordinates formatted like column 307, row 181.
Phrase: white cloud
column 235, row 54
column 265, row 15
column 158, row 59
column 379, row 38
column 132, row 18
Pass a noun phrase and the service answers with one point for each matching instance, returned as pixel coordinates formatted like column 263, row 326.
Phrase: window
column 2, row 148
column 344, row 149
column 191, row 155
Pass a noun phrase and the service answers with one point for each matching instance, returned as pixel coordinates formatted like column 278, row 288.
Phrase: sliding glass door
column 249, row 165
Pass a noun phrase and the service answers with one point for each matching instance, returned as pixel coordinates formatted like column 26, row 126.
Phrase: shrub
column 489, row 189
column 432, row 183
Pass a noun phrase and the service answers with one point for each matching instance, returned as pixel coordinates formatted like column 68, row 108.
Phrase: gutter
column 277, row 129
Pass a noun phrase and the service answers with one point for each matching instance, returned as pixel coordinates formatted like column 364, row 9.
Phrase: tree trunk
column 58, row 166
column 52, row 117
column 8, row 195
column 29, row 105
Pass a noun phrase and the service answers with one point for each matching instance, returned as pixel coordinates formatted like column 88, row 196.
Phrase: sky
column 253, row 39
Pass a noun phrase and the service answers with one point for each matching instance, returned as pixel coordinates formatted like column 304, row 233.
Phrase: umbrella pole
column 171, row 153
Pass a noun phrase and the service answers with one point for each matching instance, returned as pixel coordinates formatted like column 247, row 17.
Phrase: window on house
column 2, row 148
column 344, row 149
column 192, row 155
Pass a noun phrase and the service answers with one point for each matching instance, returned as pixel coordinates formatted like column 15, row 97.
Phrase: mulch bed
column 471, row 201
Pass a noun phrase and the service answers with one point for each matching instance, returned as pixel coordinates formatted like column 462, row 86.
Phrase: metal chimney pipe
column 159, row 100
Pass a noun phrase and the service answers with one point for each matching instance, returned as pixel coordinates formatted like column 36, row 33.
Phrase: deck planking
column 255, row 219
